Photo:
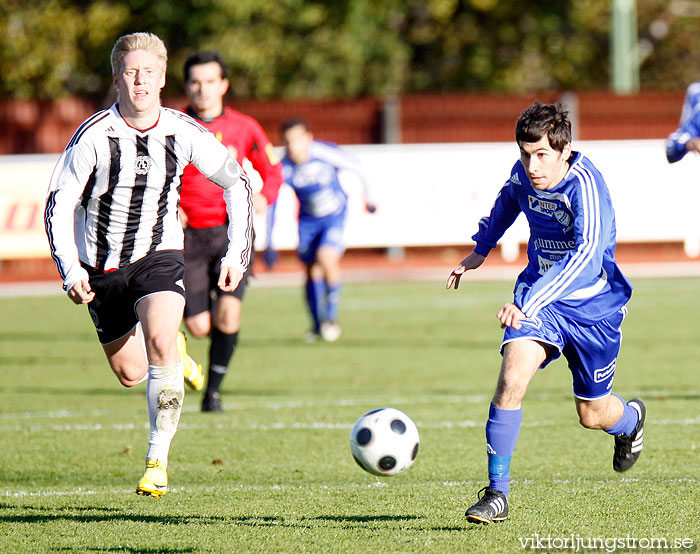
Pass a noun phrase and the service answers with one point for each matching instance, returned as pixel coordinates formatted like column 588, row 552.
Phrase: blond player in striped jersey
column 113, row 227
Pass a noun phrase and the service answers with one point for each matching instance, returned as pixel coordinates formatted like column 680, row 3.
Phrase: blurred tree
column 52, row 48
column 507, row 46
column 344, row 48
column 298, row 48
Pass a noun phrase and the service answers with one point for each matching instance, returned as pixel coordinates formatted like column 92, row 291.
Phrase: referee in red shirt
column 210, row 311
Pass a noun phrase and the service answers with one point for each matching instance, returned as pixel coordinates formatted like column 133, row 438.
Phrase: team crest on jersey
column 142, row 165
column 563, row 217
column 541, row 206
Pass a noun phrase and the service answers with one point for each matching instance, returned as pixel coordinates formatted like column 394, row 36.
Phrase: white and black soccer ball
column 384, row 441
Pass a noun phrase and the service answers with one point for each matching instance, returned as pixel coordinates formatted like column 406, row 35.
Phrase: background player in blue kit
column 311, row 168
column 687, row 137
column 570, row 299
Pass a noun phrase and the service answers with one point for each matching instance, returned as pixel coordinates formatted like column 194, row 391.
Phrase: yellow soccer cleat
column 155, row 479
column 194, row 378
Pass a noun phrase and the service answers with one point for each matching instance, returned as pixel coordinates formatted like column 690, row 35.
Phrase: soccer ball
column 384, row 441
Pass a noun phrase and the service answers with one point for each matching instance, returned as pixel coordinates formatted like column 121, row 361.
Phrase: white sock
column 165, row 391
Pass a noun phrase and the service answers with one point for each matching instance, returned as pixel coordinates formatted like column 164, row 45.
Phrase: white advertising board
column 427, row 195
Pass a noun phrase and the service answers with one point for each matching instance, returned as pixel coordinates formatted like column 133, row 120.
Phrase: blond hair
column 138, row 41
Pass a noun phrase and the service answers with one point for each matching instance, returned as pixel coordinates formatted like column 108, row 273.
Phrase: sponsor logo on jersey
column 544, row 264
column 549, row 244
column 601, row 375
column 142, row 165
column 541, row 206
column 515, row 179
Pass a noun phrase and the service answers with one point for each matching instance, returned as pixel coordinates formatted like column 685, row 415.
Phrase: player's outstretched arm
column 472, row 261
column 81, row 292
column 229, row 277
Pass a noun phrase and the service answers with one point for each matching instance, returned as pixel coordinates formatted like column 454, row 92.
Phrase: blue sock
column 627, row 423
column 502, row 430
column 315, row 292
column 332, row 301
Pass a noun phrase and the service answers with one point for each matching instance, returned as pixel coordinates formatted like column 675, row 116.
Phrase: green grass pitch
column 274, row 472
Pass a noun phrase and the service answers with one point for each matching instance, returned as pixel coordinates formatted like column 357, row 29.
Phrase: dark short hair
column 199, row 58
column 539, row 120
column 293, row 122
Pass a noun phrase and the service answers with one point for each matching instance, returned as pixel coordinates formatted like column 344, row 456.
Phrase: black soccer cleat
column 492, row 506
column 212, row 402
column 629, row 447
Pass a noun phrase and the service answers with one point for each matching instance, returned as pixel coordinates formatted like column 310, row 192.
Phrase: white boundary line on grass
column 311, row 425
column 368, row 403
column 375, row 484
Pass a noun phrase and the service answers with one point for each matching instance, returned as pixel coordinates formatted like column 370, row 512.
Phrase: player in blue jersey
column 311, row 168
column 687, row 137
column 569, row 300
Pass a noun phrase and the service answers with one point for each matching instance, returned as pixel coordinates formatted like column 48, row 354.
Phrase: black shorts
column 113, row 310
column 204, row 249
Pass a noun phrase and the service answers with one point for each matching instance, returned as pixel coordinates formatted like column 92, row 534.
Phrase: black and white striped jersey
column 115, row 192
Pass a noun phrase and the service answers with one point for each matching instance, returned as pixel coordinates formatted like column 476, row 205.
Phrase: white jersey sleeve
column 72, row 172
column 342, row 160
column 211, row 157
column 239, row 207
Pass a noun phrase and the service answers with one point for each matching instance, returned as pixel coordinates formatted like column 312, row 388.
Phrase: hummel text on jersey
column 549, row 244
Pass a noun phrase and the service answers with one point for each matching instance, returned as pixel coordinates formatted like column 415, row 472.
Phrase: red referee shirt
column 202, row 200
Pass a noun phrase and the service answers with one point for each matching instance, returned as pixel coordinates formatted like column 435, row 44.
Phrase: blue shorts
column 317, row 232
column 591, row 350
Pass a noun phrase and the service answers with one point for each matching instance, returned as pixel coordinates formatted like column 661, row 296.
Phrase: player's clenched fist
column 510, row 316
column 229, row 278
column 81, row 292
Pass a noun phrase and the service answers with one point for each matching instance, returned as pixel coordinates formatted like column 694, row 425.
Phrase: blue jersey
column 316, row 183
column 689, row 126
column 571, row 247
